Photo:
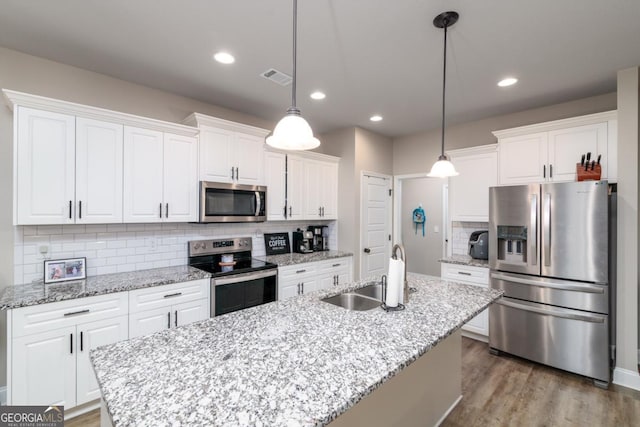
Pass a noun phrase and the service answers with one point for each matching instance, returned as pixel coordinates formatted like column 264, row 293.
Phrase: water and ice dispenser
column 512, row 244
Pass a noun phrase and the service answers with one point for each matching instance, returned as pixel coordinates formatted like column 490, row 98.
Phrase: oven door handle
column 244, row 277
column 554, row 312
column 591, row 289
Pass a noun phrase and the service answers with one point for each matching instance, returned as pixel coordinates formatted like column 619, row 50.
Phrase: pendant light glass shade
column 443, row 168
column 293, row 132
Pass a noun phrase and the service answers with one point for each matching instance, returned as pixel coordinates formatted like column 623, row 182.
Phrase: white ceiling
column 369, row 56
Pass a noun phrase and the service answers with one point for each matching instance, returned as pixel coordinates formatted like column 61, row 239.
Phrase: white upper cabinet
column 276, row 181
column 77, row 164
column 98, row 171
column 469, row 191
column 295, row 187
column 229, row 152
column 180, row 179
column 306, row 185
column 523, row 159
column 44, row 183
column 160, row 184
column 549, row 152
column 143, row 162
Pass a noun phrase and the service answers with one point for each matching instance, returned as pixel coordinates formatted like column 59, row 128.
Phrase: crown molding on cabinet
column 15, row 98
column 480, row 149
column 557, row 124
column 198, row 119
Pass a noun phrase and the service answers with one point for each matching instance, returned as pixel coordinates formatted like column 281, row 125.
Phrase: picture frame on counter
column 62, row 270
column 277, row 243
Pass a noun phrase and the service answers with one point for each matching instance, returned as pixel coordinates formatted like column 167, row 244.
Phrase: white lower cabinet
column 49, row 344
column 164, row 307
column 49, row 350
column 476, row 276
column 298, row 279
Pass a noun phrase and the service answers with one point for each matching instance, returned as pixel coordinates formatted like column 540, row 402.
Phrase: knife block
column 590, row 175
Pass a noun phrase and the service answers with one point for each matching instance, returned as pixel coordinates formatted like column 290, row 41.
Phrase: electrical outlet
column 44, row 250
column 436, row 229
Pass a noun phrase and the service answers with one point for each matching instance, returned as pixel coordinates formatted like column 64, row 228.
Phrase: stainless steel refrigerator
column 549, row 252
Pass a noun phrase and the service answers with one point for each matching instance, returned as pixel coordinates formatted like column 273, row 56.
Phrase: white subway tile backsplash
column 460, row 233
column 127, row 247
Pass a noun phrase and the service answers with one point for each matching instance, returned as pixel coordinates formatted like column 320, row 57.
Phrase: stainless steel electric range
column 238, row 280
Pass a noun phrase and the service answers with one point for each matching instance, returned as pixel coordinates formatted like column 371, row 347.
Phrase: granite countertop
column 296, row 258
column 297, row 362
column 39, row 293
column 465, row 260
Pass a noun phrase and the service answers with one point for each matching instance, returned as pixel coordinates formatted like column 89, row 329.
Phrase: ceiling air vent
column 277, row 77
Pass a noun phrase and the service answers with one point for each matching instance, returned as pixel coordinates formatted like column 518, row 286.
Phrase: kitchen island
column 298, row 362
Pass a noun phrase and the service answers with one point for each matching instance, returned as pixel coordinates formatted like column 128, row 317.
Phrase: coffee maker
column 320, row 238
column 302, row 241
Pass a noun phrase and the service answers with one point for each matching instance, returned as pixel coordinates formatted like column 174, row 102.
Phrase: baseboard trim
column 451, row 408
column 626, row 378
column 81, row 409
column 475, row 336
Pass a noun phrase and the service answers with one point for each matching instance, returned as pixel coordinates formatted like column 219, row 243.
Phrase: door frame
column 397, row 208
column 363, row 175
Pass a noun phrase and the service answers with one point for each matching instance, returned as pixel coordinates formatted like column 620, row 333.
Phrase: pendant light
column 293, row 132
column 443, row 168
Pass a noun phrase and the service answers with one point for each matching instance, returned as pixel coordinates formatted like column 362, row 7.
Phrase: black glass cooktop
column 213, row 264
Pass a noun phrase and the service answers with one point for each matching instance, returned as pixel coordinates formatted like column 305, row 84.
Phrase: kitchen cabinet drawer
column 45, row 317
column 295, row 272
column 465, row 273
column 164, row 296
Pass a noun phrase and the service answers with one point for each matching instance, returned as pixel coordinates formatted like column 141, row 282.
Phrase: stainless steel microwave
column 221, row 202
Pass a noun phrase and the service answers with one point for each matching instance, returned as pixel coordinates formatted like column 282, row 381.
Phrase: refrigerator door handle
column 555, row 312
column 547, row 229
column 560, row 286
column 533, row 238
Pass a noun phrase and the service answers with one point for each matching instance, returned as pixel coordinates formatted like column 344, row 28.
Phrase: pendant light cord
column 295, row 50
column 444, row 85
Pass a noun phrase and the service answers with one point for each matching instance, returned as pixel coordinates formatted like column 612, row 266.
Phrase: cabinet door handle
column 302, row 288
column 550, row 171
column 166, row 211
column 71, row 343
column 80, row 209
column 81, row 341
column 169, row 320
column 544, row 171
column 237, row 172
column 464, row 273
column 69, row 209
column 75, row 313
column 290, row 211
column 177, row 294
column 298, row 288
column 337, row 265
column 160, row 210
column 175, row 320
column 323, row 211
column 300, row 271
column 232, row 170
column 285, row 212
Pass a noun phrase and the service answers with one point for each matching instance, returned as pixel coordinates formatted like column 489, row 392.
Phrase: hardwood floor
column 508, row 391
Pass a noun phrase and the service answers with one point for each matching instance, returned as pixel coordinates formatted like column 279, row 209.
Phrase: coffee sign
column 277, row 243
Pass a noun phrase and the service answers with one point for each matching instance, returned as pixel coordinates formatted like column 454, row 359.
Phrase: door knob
column 367, row 250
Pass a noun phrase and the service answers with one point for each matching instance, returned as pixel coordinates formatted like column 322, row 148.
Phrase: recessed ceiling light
column 318, row 95
column 507, row 82
column 375, row 118
column 224, row 58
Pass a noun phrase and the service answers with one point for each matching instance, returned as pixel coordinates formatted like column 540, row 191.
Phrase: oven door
column 240, row 291
column 221, row 202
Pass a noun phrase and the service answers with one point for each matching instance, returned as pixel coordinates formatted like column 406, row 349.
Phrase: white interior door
column 375, row 223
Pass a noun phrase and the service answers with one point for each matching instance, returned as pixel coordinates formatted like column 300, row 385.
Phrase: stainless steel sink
column 352, row 301
column 374, row 290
